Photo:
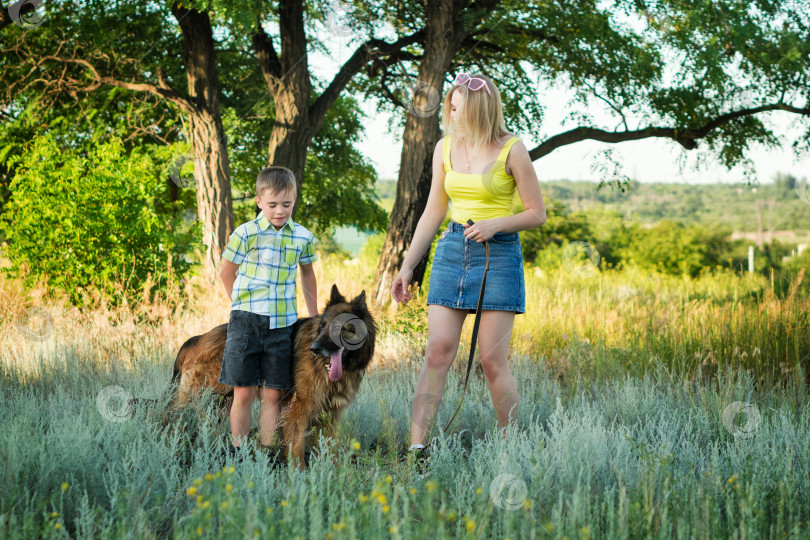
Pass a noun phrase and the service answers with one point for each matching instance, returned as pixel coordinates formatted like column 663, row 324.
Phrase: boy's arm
column 232, row 257
column 310, row 288
column 228, row 275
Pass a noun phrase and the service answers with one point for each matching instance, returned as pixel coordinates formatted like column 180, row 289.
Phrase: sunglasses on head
column 473, row 83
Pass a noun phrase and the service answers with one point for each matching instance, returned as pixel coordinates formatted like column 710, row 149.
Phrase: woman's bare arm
column 434, row 214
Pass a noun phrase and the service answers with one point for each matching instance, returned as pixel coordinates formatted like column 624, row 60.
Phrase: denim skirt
column 458, row 267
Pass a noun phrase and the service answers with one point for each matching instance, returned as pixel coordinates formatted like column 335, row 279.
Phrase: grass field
column 649, row 406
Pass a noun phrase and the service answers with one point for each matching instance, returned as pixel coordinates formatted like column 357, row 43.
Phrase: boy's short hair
column 277, row 179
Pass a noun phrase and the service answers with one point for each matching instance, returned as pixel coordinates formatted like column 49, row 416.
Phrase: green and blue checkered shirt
column 268, row 263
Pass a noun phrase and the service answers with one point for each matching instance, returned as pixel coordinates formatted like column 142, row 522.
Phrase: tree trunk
column 212, row 174
column 443, row 38
column 297, row 119
column 287, row 77
column 290, row 137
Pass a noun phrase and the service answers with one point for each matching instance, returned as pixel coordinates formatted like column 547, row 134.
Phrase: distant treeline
column 779, row 206
column 674, row 229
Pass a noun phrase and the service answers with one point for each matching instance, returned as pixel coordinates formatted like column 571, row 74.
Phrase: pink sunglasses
column 473, row 83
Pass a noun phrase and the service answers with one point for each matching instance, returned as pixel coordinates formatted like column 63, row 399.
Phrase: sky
column 652, row 160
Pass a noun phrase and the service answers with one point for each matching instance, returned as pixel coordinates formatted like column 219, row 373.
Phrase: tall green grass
column 636, row 457
column 624, row 379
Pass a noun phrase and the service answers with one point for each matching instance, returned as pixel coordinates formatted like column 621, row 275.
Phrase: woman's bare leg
column 494, row 335
column 444, row 332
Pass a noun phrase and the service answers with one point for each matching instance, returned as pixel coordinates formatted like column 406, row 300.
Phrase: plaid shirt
column 268, row 261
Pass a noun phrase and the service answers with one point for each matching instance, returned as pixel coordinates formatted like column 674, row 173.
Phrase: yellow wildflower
column 65, row 485
column 191, row 491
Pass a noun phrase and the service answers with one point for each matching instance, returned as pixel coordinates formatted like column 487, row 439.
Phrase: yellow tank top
column 480, row 196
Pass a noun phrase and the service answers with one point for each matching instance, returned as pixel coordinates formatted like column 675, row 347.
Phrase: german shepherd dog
column 330, row 355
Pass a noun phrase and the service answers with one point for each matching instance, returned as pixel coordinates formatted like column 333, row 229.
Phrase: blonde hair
column 480, row 117
column 277, row 179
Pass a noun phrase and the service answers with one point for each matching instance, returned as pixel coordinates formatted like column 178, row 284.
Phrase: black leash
column 476, row 324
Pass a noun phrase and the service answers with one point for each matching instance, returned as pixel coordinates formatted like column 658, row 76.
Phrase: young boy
column 258, row 270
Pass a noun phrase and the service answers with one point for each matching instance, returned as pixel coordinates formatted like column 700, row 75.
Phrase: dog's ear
column 336, row 297
column 359, row 302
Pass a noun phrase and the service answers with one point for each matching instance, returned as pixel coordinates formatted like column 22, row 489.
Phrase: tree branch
column 369, row 50
column 267, row 57
column 163, row 89
column 685, row 137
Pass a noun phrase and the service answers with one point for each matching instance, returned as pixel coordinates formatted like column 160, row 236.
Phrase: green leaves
column 82, row 219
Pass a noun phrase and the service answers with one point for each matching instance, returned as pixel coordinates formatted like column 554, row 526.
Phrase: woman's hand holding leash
column 480, row 231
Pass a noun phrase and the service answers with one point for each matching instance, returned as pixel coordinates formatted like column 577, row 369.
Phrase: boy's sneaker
column 418, row 459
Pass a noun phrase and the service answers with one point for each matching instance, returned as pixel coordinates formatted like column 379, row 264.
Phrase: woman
column 477, row 166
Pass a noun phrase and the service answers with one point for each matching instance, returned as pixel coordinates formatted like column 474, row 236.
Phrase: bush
column 560, row 228
column 673, row 248
column 92, row 219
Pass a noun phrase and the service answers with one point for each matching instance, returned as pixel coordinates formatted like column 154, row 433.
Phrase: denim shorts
column 458, row 267
column 255, row 354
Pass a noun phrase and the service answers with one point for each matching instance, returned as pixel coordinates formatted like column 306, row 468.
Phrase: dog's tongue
column 336, row 371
